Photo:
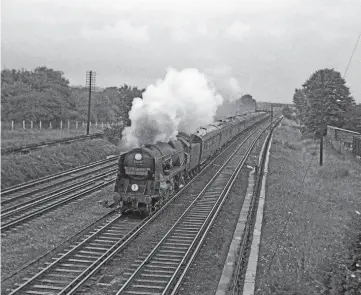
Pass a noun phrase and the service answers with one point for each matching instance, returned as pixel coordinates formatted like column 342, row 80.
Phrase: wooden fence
column 356, row 146
column 343, row 139
column 48, row 125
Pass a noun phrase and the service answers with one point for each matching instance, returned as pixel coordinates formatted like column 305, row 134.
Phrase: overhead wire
column 353, row 52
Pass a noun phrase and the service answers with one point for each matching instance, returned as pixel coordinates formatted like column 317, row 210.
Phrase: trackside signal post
column 90, row 82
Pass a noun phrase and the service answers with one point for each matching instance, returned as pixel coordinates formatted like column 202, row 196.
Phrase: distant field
column 19, row 138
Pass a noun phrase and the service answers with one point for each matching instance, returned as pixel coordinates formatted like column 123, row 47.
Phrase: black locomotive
column 146, row 172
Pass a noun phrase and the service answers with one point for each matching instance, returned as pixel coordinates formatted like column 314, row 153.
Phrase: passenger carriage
column 209, row 138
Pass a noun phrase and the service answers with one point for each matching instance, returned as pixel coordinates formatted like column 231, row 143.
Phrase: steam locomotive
column 144, row 173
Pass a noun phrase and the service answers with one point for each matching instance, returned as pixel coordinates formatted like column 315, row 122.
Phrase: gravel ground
column 142, row 245
column 19, row 168
column 70, row 182
column 204, row 275
column 31, row 240
column 42, row 235
column 207, row 268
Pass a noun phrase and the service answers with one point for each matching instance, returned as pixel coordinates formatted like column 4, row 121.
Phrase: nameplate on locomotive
column 136, row 171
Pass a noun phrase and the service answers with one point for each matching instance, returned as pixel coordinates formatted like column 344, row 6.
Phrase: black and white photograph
column 180, row 147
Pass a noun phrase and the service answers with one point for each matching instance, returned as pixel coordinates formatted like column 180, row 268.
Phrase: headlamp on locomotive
column 142, row 172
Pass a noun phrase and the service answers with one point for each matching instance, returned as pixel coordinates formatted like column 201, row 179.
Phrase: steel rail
column 121, row 243
column 190, row 207
column 198, row 247
column 64, row 242
column 52, row 195
column 238, row 269
column 73, row 287
column 39, row 181
column 56, row 204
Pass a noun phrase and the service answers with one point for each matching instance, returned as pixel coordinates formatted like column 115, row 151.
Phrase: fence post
column 40, row 125
column 31, row 125
column 68, row 124
column 12, row 125
column 23, row 124
column 50, row 125
column 76, row 124
column 61, row 124
column 96, row 124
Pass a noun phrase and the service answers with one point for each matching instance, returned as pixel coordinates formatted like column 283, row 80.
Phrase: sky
column 270, row 47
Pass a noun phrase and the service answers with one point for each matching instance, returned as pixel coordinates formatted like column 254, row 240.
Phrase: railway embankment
column 19, row 168
column 310, row 242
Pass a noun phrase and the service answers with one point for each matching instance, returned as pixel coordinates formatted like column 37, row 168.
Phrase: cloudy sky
column 270, row 46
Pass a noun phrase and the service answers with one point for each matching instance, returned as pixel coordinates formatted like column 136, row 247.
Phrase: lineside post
column 90, row 82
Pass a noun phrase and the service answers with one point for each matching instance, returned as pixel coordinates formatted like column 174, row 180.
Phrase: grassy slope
column 19, row 168
column 309, row 239
column 20, row 137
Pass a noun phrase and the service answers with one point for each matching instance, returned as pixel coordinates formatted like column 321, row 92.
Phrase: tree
column 42, row 94
column 300, row 101
column 353, row 118
column 323, row 103
column 126, row 95
column 288, row 113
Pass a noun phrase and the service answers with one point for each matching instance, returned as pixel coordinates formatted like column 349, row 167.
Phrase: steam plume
column 226, row 84
column 183, row 101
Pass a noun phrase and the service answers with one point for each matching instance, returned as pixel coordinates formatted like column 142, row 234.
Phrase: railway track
column 162, row 269
column 24, row 202
column 71, row 269
column 8, row 195
column 35, row 146
column 238, row 278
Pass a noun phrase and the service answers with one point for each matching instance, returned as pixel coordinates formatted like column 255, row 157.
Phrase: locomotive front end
column 134, row 185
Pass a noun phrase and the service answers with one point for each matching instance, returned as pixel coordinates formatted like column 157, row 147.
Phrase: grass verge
column 18, row 138
column 311, row 231
column 18, row 168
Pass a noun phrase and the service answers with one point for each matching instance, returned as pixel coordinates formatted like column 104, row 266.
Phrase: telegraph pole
column 90, row 82
column 322, row 118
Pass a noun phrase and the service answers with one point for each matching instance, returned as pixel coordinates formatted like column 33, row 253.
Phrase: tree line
column 45, row 95
column 324, row 99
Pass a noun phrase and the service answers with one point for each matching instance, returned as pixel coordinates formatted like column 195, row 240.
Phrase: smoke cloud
column 183, row 101
column 226, row 84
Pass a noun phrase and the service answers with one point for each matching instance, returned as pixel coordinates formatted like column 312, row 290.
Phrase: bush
column 114, row 134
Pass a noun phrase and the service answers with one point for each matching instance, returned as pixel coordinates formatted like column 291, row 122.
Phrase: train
column 148, row 175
